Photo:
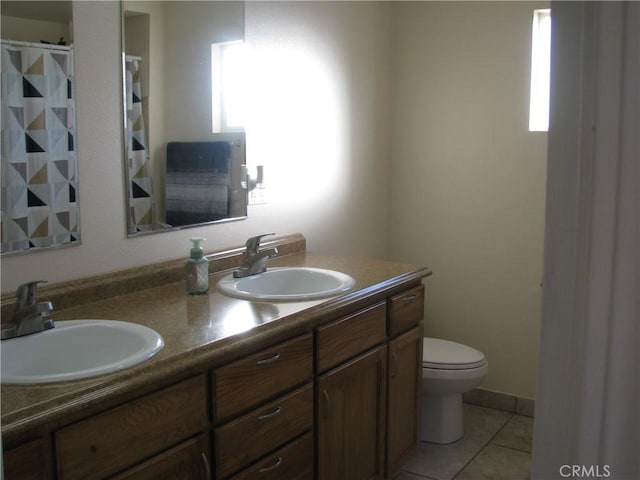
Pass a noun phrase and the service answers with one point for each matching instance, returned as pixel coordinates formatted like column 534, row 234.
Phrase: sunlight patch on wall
column 296, row 120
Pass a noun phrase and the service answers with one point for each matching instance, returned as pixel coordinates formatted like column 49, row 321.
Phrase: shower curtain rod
column 50, row 46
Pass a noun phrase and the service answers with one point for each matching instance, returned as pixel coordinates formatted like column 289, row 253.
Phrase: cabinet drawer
column 263, row 430
column 345, row 338
column 247, row 383
column 27, row 462
column 406, row 310
column 117, row 439
column 292, row 462
column 187, row 461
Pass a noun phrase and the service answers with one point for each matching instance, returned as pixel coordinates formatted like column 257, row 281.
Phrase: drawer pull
column 410, row 298
column 327, row 403
column 207, row 467
column 269, row 360
column 394, row 371
column 271, row 414
column 277, row 463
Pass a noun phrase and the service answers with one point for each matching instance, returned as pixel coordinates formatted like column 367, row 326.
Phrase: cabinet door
column 351, row 418
column 404, row 397
column 187, row 461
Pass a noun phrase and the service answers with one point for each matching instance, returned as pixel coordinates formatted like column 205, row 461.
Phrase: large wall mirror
column 183, row 166
column 40, row 206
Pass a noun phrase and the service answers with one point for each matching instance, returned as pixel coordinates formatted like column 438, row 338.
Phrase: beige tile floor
column 496, row 446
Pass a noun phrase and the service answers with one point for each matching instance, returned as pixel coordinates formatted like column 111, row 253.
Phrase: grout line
column 483, row 446
column 511, row 448
column 502, row 428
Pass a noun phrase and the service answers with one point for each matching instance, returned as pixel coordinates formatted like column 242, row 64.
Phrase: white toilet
column 448, row 370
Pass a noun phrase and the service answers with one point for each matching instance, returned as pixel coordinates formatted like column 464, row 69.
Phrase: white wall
column 312, row 165
column 468, row 179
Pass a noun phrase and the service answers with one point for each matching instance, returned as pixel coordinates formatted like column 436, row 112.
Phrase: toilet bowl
column 448, row 370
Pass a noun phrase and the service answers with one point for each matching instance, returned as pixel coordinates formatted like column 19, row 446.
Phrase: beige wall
column 468, row 179
column 311, row 167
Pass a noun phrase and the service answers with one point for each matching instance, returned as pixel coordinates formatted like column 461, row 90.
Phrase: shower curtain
column 587, row 419
column 39, row 167
column 141, row 201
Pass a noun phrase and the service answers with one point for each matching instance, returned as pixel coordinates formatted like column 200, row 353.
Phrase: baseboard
column 500, row 401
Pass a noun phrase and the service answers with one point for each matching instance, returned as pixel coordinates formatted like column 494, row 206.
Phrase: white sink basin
column 287, row 283
column 76, row 349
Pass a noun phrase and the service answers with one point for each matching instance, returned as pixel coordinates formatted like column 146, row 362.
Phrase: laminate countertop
column 200, row 333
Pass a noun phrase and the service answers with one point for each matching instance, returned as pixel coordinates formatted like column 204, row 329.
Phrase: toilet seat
column 446, row 355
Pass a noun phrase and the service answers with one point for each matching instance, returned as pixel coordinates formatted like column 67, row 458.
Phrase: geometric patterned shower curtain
column 141, row 202
column 39, row 200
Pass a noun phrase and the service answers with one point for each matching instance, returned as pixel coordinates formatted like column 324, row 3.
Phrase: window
column 540, row 71
column 228, row 86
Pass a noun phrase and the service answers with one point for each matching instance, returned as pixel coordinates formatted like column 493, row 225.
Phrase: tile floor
column 496, row 446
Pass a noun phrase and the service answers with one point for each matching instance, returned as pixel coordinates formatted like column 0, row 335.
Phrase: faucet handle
column 253, row 244
column 27, row 294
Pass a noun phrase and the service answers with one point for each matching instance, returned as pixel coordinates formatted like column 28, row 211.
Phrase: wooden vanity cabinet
column 341, row 403
column 263, row 403
column 404, row 391
column 351, row 396
column 368, row 391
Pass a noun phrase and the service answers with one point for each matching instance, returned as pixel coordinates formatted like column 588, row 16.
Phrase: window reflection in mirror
column 179, row 172
column 228, row 89
column 40, row 207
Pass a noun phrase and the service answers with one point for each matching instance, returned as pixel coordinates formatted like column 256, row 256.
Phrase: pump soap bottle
column 197, row 269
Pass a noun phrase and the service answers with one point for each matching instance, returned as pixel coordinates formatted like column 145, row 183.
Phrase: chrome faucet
column 31, row 316
column 254, row 258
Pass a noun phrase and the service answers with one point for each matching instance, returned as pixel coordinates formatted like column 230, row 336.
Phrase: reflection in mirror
column 39, row 166
column 183, row 166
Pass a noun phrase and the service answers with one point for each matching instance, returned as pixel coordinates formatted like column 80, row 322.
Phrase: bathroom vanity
column 324, row 389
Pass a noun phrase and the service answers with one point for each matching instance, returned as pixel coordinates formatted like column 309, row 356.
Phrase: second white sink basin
column 287, row 284
column 76, row 349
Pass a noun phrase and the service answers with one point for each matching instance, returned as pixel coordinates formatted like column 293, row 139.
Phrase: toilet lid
column 444, row 354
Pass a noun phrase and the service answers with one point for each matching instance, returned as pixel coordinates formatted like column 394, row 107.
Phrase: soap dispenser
column 197, row 269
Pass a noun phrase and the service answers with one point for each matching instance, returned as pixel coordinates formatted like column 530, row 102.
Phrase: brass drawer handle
column 277, row 463
column 271, row 414
column 269, row 360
